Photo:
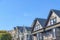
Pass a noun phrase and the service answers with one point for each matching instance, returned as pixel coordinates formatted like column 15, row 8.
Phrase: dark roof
column 41, row 21
column 21, row 28
column 57, row 12
column 28, row 28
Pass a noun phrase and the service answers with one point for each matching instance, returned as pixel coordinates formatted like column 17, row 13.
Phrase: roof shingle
column 21, row 28
column 57, row 12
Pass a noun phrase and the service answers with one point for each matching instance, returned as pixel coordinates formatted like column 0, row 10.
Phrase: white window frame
column 52, row 21
column 39, row 36
column 37, row 27
column 54, row 33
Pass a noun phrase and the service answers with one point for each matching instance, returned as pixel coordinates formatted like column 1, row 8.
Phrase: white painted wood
column 52, row 16
column 37, row 26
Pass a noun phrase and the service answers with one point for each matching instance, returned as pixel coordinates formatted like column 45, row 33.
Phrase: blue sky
column 23, row 12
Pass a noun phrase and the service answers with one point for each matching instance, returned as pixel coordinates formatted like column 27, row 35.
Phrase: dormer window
column 52, row 21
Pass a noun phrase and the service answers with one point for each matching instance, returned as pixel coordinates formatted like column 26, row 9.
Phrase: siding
column 52, row 16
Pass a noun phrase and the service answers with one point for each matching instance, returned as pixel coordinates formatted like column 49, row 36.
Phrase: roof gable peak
column 57, row 12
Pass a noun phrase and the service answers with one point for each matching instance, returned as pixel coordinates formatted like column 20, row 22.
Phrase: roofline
column 44, row 29
column 50, row 13
column 52, row 25
column 35, row 23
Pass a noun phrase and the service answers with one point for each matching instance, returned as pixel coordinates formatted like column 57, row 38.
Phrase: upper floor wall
column 37, row 26
column 22, row 30
column 53, row 18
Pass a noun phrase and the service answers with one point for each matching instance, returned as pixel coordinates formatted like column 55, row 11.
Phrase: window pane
column 39, row 36
column 53, row 21
column 37, row 27
column 54, row 35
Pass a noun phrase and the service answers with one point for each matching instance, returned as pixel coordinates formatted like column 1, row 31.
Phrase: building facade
column 22, row 33
column 47, row 29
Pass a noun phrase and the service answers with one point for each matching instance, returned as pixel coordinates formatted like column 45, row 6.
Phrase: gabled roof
column 28, row 28
column 57, row 12
column 41, row 21
column 21, row 28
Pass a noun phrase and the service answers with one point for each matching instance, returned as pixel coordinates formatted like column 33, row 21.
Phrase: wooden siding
column 52, row 16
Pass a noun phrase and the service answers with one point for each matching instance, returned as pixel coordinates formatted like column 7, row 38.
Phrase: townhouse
column 23, row 33
column 47, row 29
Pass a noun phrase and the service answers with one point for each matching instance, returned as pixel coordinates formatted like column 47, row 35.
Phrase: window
column 37, row 27
column 53, row 21
column 39, row 36
column 54, row 35
column 27, row 37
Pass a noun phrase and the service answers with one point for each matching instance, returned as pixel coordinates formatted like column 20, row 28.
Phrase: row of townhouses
column 21, row 33
column 41, row 29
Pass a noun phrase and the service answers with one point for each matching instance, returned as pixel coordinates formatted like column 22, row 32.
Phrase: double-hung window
column 53, row 21
column 37, row 27
column 54, row 33
column 39, row 36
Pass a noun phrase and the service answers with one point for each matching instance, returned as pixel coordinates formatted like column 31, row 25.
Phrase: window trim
column 37, row 27
column 54, row 33
column 39, row 36
column 53, row 21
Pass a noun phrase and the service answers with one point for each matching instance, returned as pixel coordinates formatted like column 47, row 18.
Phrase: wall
column 52, row 16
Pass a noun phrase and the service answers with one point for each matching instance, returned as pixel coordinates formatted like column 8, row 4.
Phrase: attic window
column 37, row 27
column 52, row 21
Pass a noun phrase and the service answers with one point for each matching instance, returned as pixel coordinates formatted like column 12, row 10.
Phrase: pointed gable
column 38, row 24
column 23, row 28
column 53, row 14
column 57, row 12
column 42, row 21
